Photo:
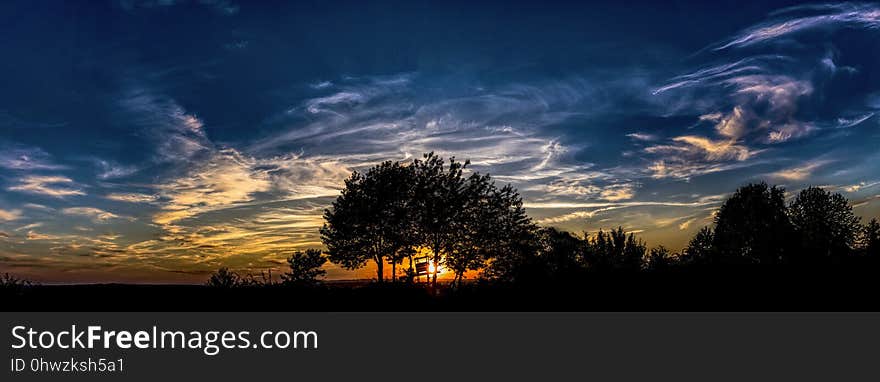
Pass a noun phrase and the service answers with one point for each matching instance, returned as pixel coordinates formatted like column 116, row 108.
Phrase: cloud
column 32, row 235
column 585, row 187
column 96, row 214
column 111, row 170
column 860, row 186
column 9, row 215
column 642, row 136
column 225, row 179
column 573, row 216
column 830, row 16
column 598, row 207
column 36, row 206
column 321, row 85
column 179, row 135
column 53, row 185
column 711, row 149
column 21, row 158
column 733, row 125
column 799, row 173
column 686, row 224
column 29, row 226
column 690, row 155
column 132, row 197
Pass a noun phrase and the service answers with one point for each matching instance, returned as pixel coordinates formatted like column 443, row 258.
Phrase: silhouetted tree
column 561, row 251
column 513, row 240
column 476, row 226
column 615, row 250
column 699, row 249
column 224, row 279
column 633, row 253
column 870, row 240
column 440, row 203
column 825, row 226
column 305, row 268
column 659, row 259
column 371, row 219
column 13, row 286
column 752, row 227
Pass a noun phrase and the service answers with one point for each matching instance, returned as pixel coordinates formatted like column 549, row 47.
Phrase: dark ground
column 852, row 290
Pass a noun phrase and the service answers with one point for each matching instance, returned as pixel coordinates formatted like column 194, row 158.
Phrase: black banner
column 442, row 346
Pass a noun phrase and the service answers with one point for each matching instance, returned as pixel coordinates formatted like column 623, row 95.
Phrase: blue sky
column 155, row 141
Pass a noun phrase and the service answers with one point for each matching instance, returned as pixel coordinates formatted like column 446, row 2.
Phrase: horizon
column 155, row 142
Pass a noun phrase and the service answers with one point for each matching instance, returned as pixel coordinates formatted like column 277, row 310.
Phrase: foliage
column 659, row 259
column 370, row 220
column 470, row 224
column 752, row 227
column 305, row 268
column 699, row 250
column 465, row 220
column 614, row 250
column 825, row 225
column 870, row 239
column 224, row 279
column 11, row 285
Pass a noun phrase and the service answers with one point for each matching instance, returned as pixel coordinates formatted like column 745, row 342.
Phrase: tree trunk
column 393, row 270
column 379, row 269
column 436, row 268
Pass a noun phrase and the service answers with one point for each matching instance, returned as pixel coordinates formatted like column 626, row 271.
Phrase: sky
column 156, row 141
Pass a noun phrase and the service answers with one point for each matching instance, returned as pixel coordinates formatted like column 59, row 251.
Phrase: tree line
column 465, row 222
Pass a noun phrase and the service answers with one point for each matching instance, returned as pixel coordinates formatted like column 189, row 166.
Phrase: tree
column 633, row 253
column 659, row 259
column 561, row 251
column 475, row 227
column 305, row 268
column 370, row 220
column 511, row 241
column 752, row 227
column 870, row 240
column 440, row 203
column 824, row 224
column 699, row 250
column 13, row 286
column 224, row 279
column 615, row 250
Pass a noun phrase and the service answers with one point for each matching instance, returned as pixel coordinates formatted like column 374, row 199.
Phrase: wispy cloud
column 132, row 197
column 642, row 136
column 224, row 180
column 96, row 214
column 22, row 158
column 178, row 134
column 112, row 170
column 799, row 173
column 860, row 186
column 686, row 224
column 54, row 185
column 9, row 215
column 786, row 22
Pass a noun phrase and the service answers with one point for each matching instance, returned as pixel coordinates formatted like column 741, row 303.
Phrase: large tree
column 752, row 227
column 440, row 201
column 825, row 225
column 371, row 219
column 700, row 249
column 510, row 240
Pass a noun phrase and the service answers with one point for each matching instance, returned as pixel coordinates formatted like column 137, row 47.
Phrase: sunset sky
column 155, row 141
